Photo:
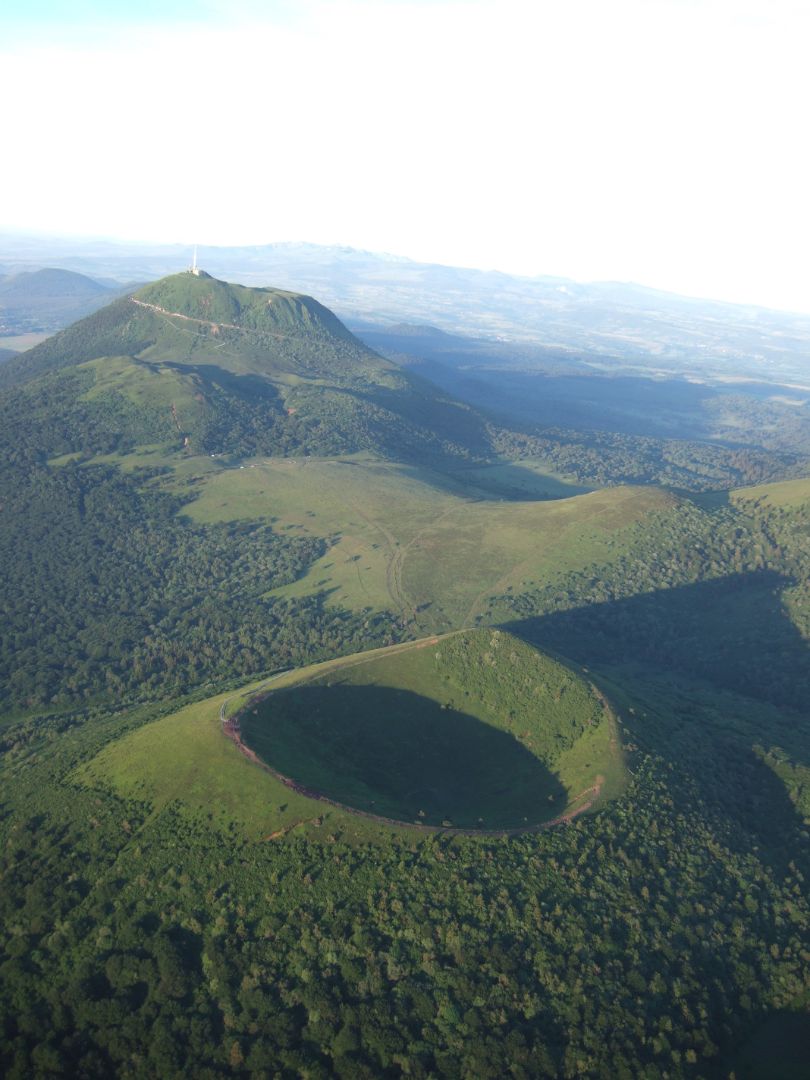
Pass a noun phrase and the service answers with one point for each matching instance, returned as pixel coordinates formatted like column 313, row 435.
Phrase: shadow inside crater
column 402, row 755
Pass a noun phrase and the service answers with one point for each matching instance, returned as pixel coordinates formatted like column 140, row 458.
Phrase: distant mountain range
column 602, row 326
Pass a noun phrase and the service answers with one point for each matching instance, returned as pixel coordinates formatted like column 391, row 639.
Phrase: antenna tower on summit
column 194, row 268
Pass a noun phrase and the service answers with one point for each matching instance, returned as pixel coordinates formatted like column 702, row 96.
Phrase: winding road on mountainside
column 209, row 323
column 232, row 731
column 186, row 318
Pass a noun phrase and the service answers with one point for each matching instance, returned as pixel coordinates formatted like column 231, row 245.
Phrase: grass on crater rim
column 185, row 760
column 474, row 730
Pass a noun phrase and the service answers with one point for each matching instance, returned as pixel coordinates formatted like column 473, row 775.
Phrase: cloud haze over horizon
column 659, row 141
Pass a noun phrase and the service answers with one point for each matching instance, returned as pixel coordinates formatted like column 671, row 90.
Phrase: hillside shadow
column 400, row 754
column 244, row 386
column 712, row 671
column 515, row 482
column 507, row 483
column 708, row 501
column 425, row 411
column 633, row 405
column 778, row 1049
column 543, row 386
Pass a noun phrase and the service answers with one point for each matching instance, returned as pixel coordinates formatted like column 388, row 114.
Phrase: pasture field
column 433, row 548
column 786, row 493
column 421, row 544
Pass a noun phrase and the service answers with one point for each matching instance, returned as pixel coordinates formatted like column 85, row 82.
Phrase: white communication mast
column 194, row 268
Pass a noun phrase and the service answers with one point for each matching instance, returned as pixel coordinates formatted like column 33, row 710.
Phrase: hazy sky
column 660, row 141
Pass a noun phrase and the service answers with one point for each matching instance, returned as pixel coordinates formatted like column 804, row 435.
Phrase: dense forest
column 645, row 941
column 650, row 939
column 129, row 600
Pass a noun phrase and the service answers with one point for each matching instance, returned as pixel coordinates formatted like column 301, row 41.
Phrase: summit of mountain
column 231, row 368
column 201, row 296
column 196, row 318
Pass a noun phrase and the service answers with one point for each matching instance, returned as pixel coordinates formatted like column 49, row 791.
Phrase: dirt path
column 414, row 543
column 497, row 588
column 213, row 326
column 393, row 579
column 398, row 553
column 186, row 318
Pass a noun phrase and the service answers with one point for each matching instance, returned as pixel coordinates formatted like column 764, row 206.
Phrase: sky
column 655, row 141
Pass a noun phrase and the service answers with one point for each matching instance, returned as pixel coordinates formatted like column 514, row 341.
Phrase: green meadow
column 416, row 542
column 786, row 493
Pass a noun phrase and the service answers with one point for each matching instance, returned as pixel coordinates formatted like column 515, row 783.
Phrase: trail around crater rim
column 231, row 729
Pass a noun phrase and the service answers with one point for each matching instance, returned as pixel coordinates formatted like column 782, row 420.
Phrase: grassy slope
column 147, row 387
column 413, row 542
column 184, row 758
column 787, row 493
column 472, row 728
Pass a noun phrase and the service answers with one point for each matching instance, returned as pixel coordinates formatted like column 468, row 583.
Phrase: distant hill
column 48, row 299
column 19, row 288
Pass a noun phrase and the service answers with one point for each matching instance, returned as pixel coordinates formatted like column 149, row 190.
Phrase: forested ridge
column 608, row 457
